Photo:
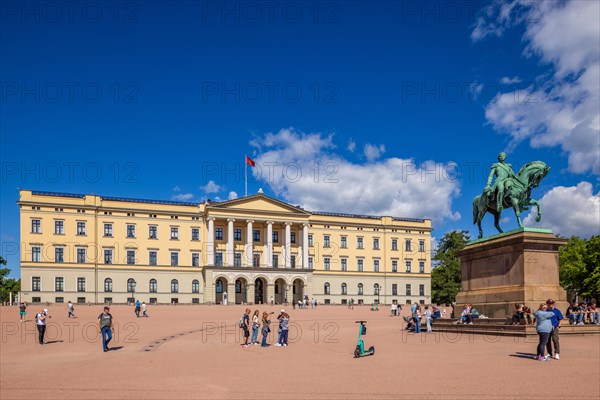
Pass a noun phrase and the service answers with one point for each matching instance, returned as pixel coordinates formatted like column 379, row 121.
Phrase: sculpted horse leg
column 538, row 207
column 496, row 215
column 515, row 205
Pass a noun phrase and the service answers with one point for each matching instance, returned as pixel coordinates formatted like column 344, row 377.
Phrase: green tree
column 579, row 266
column 7, row 285
column 445, row 277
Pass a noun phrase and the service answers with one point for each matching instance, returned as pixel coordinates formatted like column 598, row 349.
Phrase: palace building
column 90, row 248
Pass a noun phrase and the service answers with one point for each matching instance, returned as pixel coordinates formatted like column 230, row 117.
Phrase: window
column 344, row 242
column 195, row 234
column 256, row 235
column 238, row 286
column 421, row 290
column 326, row 241
column 59, row 254
column 344, row 288
column 152, row 232
column 153, row 285
column 152, row 257
column 80, row 256
column 394, row 244
column 131, row 231
column 237, row 260
column 59, row 284
column 174, row 233
column 292, row 237
column 376, row 243
column 36, row 299
column 195, row 286
column 326, row 288
column 256, row 260
column 81, row 300
column 195, row 259
column 344, row 264
column 108, row 230
column 130, row 285
column 394, row 289
column 375, row 265
column 174, row 286
column 360, row 263
column 36, row 284
column 154, row 300
column 36, row 226
column 408, row 290
column 360, row 289
column 275, row 261
column 310, row 263
column 174, row 259
column 59, row 299
column 310, row 240
column 108, row 256
column 36, row 254
column 407, row 245
column 421, row 267
column 219, row 258
column 359, row 243
column 421, row 245
column 275, row 236
column 219, row 286
column 59, row 227
column 394, row 265
column 293, row 261
column 108, row 285
column 81, row 284
column 408, row 265
column 80, row 228
column 376, row 289
column 130, row 257
column 218, row 233
column 327, row 263
column 237, row 234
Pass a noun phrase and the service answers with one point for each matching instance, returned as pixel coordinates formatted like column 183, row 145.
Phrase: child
column 22, row 311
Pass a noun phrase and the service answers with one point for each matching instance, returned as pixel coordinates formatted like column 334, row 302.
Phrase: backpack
column 242, row 324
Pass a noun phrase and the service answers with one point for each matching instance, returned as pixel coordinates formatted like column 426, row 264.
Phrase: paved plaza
column 190, row 352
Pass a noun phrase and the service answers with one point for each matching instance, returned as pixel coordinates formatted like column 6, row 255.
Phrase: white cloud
column 211, row 187
column 373, row 152
column 509, row 81
column 569, row 211
column 351, row 145
column 562, row 109
column 232, row 195
column 182, row 197
column 305, row 171
column 496, row 17
column 177, row 188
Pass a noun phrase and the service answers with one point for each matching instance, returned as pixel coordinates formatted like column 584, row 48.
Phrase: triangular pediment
column 259, row 202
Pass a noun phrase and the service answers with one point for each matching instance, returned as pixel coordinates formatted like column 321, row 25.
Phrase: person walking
column 40, row 322
column 138, row 307
column 22, row 311
column 70, row 310
column 105, row 322
column 428, row 318
column 255, row 326
column 543, row 328
column 144, row 309
column 266, row 323
column 557, row 321
column 417, row 317
column 245, row 325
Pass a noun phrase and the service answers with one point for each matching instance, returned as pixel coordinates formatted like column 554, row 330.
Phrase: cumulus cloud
column 182, row 197
column 211, row 187
column 561, row 109
column 232, row 195
column 351, row 146
column 568, row 211
column 509, row 81
column 303, row 169
column 373, row 152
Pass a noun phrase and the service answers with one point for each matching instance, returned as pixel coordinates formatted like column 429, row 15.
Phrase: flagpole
column 246, row 177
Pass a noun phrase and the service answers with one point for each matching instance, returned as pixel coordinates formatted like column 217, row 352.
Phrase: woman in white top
column 255, row 326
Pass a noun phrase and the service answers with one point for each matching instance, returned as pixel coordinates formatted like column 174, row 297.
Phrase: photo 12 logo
column 69, row 12
column 269, row 92
column 269, row 12
column 73, row 92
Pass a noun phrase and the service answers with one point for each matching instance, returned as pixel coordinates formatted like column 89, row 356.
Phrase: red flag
column 250, row 161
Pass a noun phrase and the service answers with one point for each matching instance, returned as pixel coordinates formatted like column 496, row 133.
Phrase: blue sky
column 380, row 107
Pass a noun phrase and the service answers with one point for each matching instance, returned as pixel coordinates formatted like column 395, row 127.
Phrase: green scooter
column 360, row 347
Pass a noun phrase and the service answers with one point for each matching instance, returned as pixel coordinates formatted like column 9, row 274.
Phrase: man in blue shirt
column 556, row 323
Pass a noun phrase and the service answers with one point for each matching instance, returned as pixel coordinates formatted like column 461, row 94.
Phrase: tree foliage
column 580, row 266
column 7, row 285
column 445, row 277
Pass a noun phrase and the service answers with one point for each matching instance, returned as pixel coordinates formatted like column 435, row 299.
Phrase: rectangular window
column 275, row 261
column 421, row 267
column 256, row 235
column 292, row 237
column 108, row 285
column 59, row 284
column 218, row 233
column 421, row 290
column 421, row 245
column 152, row 232
column 153, row 286
column 131, row 231
column 344, row 242
column 130, row 257
column 293, row 261
column 153, row 300
column 360, row 291
column 195, row 234
column 36, row 283
column 237, row 234
column 59, row 227
column 394, row 244
column 275, row 236
column 59, row 299
column 36, row 254
column 152, row 257
column 326, row 241
column 256, row 260
column 108, row 300
column 59, row 254
column 310, row 240
column 394, row 289
column 108, row 256
column 195, row 259
column 81, row 300
column 237, row 260
column 344, row 290
column 80, row 228
column 81, row 284
column 36, row 300
column 408, row 265
column 375, row 265
column 394, row 266
column 108, row 230
column 174, row 233
column 408, row 290
column 360, row 263
column 310, row 263
column 359, row 243
column 174, row 259
column 407, row 245
column 80, row 256
column 376, row 243
column 344, row 264
column 219, row 259
column 36, row 226
column 327, row 263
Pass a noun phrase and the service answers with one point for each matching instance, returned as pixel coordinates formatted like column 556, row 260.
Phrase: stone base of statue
column 520, row 266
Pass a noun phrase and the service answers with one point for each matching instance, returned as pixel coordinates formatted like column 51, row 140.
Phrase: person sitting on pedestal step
column 517, row 314
column 594, row 313
column 528, row 315
column 575, row 314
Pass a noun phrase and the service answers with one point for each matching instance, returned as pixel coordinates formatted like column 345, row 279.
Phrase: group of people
column 523, row 313
column 467, row 315
column 305, row 303
column 141, row 307
column 578, row 314
column 430, row 313
column 264, row 325
column 548, row 322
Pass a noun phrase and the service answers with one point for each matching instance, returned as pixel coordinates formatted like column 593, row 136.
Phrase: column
column 269, row 252
column 230, row 241
column 230, row 293
column 287, row 256
column 304, row 245
column 210, row 242
column 248, row 251
column 250, row 293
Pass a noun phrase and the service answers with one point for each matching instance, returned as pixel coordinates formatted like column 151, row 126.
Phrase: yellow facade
column 256, row 249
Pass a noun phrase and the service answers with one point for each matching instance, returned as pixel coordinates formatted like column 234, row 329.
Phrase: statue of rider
column 504, row 175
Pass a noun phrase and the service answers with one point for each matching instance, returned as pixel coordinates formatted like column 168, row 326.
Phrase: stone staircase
column 503, row 327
